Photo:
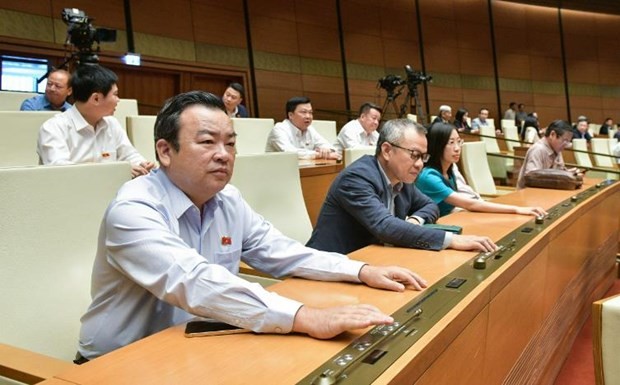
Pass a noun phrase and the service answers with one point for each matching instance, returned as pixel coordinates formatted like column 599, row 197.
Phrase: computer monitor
column 22, row 73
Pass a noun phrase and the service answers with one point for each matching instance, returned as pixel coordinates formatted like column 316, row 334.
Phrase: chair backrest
column 327, row 129
column 271, row 185
column 476, row 168
column 412, row 117
column 606, row 340
column 353, row 154
column 507, row 123
column 12, row 100
column 252, row 134
column 602, row 146
column 20, row 130
column 125, row 108
column 497, row 165
column 48, row 239
column 582, row 157
column 140, row 130
column 512, row 135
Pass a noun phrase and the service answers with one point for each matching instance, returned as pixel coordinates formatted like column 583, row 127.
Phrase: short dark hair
column 237, row 87
column 293, row 102
column 91, row 78
column 394, row 130
column 167, row 124
column 559, row 127
column 512, row 104
column 438, row 137
column 369, row 106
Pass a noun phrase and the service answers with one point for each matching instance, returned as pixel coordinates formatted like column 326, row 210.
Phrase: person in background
column 511, row 112
column 580, row 130
column 520, row 116
column 547, row 152
column 445, row 114
column 607, row 125
column 232, row 98
column 374, row 200
column 296, row 133
column 57, row 90
column 361, row 131
column 438, row 181
column 88, row 132
column 480, row 121
column 170, row 246
column 531, row 130
column 460, row 120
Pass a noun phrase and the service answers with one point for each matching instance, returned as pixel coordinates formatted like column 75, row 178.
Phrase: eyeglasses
column 453, row 143
column 414, row 154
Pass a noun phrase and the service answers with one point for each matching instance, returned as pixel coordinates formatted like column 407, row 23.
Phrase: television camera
column 394, row 84
column 82, row 35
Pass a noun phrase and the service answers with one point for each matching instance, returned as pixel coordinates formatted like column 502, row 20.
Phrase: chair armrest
column 29, row 367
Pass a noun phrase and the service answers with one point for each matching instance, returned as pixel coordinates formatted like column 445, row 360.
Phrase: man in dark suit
column 374, row 200
column 232, row 98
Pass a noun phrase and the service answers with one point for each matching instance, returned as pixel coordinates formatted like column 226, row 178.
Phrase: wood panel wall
column 295, row 48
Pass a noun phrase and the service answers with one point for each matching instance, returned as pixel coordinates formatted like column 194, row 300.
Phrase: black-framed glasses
column 414, row 154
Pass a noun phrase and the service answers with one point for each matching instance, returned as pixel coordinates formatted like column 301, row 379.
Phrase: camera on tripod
column 416, row 77
column 82, row 35
column 390, row 82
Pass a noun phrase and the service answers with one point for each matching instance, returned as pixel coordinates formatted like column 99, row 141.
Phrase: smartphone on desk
column 204, row 328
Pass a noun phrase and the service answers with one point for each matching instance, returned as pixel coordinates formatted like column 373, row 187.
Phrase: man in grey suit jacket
column 374, row 200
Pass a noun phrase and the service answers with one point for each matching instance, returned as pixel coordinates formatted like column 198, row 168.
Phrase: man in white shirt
column 361, row 131
column 171, row 243
column 88, row 132
column 296, row 133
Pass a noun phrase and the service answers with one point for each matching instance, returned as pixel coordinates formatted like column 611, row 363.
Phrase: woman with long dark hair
column 437, row 180
column 460, row 120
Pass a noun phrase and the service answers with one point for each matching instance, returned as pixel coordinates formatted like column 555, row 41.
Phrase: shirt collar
column 179, row 201
column 397, row 187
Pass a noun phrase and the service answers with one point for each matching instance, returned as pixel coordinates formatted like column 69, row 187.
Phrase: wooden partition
column 516, row 327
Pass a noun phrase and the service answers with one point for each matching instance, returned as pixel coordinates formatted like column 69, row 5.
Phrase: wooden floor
column 579, row 366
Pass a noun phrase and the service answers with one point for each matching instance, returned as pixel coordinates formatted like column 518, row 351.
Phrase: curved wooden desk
column 316, row 178
column 516, row 327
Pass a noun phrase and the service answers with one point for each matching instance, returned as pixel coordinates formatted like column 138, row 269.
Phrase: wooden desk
column 316, row 177
column 516, row 327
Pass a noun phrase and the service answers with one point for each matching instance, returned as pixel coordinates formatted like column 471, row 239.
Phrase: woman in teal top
column 438, row 181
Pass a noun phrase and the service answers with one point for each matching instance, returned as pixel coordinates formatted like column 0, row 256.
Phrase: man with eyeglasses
column 296, row 134
column 547, row 152
column 57, row 90
column 374, row 200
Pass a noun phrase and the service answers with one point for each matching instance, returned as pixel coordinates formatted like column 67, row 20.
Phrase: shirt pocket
column 228, row 259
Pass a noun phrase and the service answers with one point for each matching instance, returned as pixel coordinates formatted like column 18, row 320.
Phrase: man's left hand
column 393, row 278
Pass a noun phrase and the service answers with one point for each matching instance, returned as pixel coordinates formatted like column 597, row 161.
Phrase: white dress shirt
column 286, row 137
column 160, row 261
column 67, row 138
column 353, row 134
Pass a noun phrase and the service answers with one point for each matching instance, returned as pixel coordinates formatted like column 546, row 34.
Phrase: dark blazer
column 355, row 213
column 242, row 112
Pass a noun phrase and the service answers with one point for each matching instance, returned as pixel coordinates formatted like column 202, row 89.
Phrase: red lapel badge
column 226, row 241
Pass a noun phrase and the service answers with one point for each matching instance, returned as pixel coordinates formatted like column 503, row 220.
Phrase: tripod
column 390, row 99
column 413, row 92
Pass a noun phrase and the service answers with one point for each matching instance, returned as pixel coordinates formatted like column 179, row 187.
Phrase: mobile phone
column 451, row 228
column 205, row 328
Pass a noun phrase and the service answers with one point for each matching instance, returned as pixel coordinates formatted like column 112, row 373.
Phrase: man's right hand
column 472, row 242
column 330, row 322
